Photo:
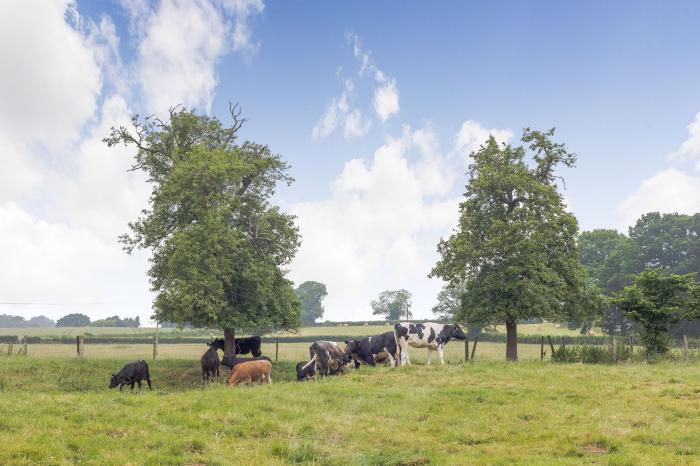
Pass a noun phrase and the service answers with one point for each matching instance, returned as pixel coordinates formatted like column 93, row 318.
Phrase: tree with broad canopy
column 218, row 245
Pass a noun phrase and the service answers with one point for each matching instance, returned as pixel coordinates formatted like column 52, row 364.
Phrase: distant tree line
column 9, row 321
column 81, row 320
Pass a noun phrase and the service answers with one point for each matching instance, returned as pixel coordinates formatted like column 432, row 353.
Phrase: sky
column 375, row 105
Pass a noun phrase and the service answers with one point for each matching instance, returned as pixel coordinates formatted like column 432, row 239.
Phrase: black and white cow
column 243, row 345
column 426, row 335
column 365, row 350
column 327, row 358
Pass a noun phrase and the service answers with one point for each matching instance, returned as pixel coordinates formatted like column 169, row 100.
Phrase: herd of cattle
column 325, row 357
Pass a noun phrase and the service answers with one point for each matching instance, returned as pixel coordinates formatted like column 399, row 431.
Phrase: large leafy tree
column 73, row 320
column 514, row 248
column 449, row 307
column 219, row 246
column 393, row 305
column 311, row 295
column 657, row 301
column 607, row 256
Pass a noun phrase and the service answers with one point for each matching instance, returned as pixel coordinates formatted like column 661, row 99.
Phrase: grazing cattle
column 243, row 345
column 210, row 364
column 249, row 372
column 327, row 358
column 427, row 335
column 230, row 361
column 132, row 373
column 368, row 350
column 305, row 371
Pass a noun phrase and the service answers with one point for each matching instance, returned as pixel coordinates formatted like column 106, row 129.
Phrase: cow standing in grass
column 243, row 345
column 132, row 373
column 251, row 371
column 327, row 358
column 426, row 335
column 367, row 350
column 210, row 363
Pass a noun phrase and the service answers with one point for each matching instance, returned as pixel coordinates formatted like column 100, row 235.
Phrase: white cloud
column 339, row 113
column 20, row 175
column 668, row 191
column 386, row 100
column 690, row 149
column 355, row 125
column 380, row 226
column 177, row 57
column 472, row 135
column 50, row 80
column 243, row 10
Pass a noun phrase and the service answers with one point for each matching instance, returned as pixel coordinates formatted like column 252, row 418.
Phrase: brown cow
column 249, row 372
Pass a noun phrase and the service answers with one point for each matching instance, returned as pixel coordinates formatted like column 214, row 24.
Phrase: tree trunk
column 511, row 340
column 229, row 343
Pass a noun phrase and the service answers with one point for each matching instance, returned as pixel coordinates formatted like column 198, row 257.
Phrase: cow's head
column 351, row 346
column 114, row 381
column 458, row 333
column 217, row 343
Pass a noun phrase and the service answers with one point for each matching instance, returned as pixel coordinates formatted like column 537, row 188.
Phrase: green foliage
column 116, row 321
column 219, row 247
column 9, row 321
column 514, row 248
column 657, row 301
column 73, row 320
column 591, row 354
column 311, row 295
column 393, row 305
column 449, row 306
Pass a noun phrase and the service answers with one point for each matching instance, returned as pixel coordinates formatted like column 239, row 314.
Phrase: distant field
column 295, row 352
column 357, row 330
column 59, row 411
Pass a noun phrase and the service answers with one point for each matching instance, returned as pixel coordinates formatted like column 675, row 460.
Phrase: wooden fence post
column 466, row 349
column 541, row 348
column 631, row 345
column 476, row 340
column 24, row 344
column 80, row 345
column 551, row 345
column 277, row 348
column 155, row 347
column 685, row 347
column 614, row 349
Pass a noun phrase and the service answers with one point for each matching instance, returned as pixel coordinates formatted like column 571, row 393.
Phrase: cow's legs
column 405, row 358
column 392, row 361
column 430, row 354
column 441, row 350
column 140, row 385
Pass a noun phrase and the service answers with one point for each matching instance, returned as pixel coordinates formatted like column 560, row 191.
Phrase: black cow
column 132, row 373
column 230, row 362
column 210, row 364
column 366, row 349
column 305, row 370
column 243, row 345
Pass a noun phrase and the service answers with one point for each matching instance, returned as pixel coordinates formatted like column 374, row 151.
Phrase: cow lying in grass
column 367, row 350
column 210, row 364
column 427, row 335
column 251, row 371
column 132, row 373
column 305, row 371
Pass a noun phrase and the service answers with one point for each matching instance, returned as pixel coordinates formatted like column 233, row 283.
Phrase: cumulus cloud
column 179, row 51
column 667, row 191
column 51, row 80
column 472, row 135
column 386, row 100
column 355, row 125
column 379, row 227
column 690, row 149
column 243, row 10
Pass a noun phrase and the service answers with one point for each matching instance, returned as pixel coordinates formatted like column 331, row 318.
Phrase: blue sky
column 378, row 182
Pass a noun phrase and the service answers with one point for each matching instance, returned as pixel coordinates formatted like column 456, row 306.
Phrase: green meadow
column 58, row 410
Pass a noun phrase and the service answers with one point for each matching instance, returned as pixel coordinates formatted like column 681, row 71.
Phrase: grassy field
column 59, row 411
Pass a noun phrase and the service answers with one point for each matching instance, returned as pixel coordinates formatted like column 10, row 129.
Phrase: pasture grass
column 59, row 411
